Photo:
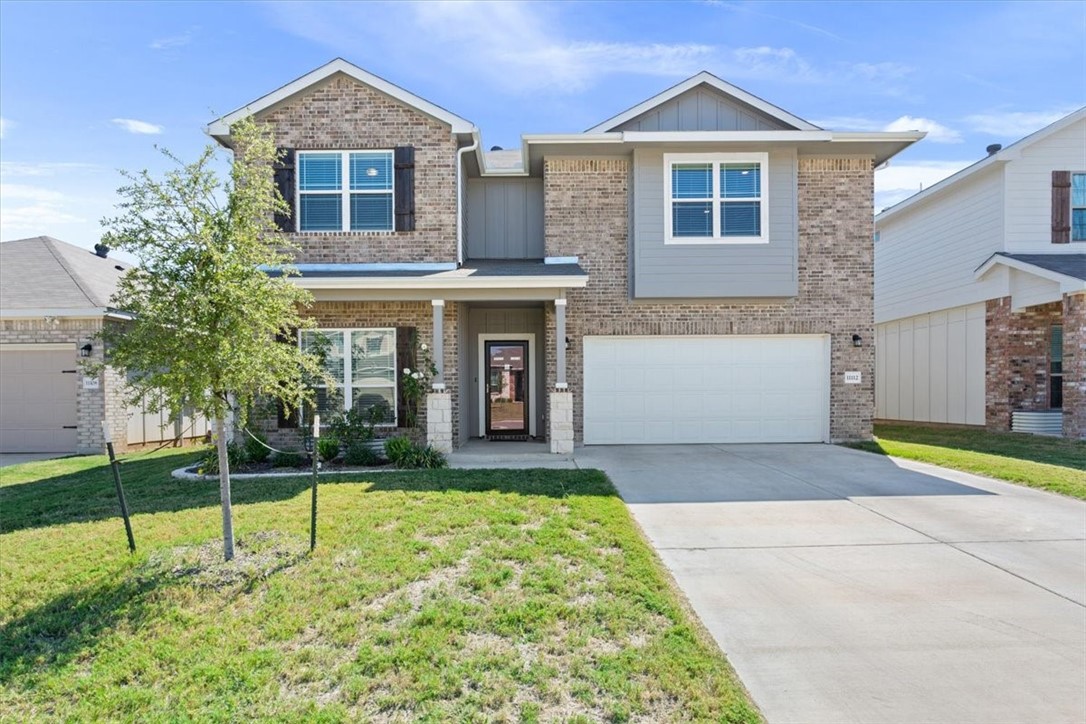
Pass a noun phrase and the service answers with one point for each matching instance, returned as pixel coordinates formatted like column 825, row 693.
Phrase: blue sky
column 89, row 88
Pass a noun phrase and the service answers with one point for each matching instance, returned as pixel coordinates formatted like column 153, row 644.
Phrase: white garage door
column 37, row 399
column 656, row 390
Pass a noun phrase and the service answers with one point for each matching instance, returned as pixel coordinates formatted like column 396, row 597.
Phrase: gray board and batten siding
column 748, row 270
column 505, row 218
column 703, row 109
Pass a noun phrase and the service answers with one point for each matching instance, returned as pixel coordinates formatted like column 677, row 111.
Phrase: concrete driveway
column 847, row 587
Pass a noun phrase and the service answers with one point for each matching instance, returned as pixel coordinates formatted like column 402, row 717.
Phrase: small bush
column 255, row 447
column 328, row 448
column 288, row 460
column 406, row 455
column 361, row 455
column 397, row 449
column 235, row 456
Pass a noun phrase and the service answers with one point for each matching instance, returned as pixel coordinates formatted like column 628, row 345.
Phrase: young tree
column 206, row 315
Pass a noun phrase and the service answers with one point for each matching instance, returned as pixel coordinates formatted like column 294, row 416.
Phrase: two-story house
column 980, row 291
column 696, row 269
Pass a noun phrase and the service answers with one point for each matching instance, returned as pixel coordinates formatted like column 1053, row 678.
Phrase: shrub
column 256, row 449
column 353, row 426
column 288, row 460
column 397, row 449
column 327, row 448
column 361, row 455
column 209, row 463
column 405, row 454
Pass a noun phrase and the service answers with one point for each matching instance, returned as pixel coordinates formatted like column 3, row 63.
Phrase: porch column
column 560, row 341
column 439, row 344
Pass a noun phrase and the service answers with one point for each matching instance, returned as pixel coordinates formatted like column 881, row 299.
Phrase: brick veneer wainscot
column 342, row 113
column 1074, row 366
column 586, row 215
column 1016, row 359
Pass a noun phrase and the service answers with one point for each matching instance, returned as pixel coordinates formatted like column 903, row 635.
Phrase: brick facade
column 586, row 215
column 417, row 314
column 1017, row 348
column 1074, row 366
column 341, row 113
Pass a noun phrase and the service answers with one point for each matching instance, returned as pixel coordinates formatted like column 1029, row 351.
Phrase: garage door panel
column 37, row 400
column 706, row 389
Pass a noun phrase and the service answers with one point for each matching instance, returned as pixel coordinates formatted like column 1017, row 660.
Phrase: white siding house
column 980, row 285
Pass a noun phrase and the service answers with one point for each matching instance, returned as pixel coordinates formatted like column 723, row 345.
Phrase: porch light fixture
column 85, row 350
column 857, row 341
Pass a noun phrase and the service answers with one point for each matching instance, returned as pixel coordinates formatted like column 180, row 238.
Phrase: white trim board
column 220, row 128
column 43, row 347
column 485, row 337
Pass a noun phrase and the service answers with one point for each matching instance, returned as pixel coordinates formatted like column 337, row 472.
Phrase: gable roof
column 1002, row 156
column 46, row 273
column 219, row 129
column 1069, row 270
column 705, row 78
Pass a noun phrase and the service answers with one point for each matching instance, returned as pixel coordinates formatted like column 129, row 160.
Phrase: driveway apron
column 851, row 587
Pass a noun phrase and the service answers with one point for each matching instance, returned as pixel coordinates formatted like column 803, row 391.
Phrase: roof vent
column 994, row 148
column 496, row 148
column 101, row 250
column 118, row 267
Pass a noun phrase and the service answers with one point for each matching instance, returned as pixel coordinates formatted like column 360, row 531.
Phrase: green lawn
column 432, row 595
column 1050, row 463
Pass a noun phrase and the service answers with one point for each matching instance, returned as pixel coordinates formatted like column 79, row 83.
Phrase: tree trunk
column 224, row 490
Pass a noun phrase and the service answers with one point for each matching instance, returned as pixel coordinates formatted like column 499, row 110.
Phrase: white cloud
column 21, row 169
column 897, row 182
column 174, row 41
column 5, row 126
column 34, row 219
column 21, row 192
column 1014, row 125
column 141, row 127
column 937, row 132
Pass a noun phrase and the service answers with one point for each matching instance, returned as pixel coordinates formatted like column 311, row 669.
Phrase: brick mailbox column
column 439, row 421
column 561, row 422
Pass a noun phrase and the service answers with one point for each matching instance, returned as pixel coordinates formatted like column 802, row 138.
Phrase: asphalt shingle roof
column 46, row 273
column 1072, row 265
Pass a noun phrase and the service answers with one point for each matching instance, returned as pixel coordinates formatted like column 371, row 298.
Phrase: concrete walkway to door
column 849, row 587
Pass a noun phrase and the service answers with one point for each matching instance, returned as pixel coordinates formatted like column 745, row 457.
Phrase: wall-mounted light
column 569, row 345
column 857, row 341
column 85, row 350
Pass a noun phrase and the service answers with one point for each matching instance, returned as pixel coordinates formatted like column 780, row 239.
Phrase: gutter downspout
column 460, row 197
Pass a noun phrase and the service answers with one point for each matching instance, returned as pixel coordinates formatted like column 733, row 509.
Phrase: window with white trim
column 715, row 198
column 345, row 191
column 362, row 363
column 1078, row 207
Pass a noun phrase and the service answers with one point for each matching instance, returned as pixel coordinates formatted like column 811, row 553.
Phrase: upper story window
column 715, row 198
column 345, row 191
column 1078, row 207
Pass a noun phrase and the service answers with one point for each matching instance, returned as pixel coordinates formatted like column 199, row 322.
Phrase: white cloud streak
column 5, row 126
column 175, row 41
column 1014, row 125
column 937, row 132
column 139, row 127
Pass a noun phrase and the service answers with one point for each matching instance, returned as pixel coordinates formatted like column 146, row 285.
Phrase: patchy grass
column 1055, row 464
column 432, row 595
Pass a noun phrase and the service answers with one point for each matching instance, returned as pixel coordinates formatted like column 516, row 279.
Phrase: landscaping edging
column 187, row 474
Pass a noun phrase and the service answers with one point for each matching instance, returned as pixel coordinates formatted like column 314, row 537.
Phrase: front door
column 506, row 388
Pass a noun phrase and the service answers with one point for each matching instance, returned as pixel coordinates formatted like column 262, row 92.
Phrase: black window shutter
column 1061, row 207
column 404, row 160
column 405, row 357
column 284, row 181
column 283, row 418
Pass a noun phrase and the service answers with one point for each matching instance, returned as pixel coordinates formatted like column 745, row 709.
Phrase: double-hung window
column 345, row 191
column 715, row 198
column 1078, row 207
column 362, row 365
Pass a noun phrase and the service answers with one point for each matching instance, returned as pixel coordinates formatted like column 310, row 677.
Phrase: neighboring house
column 980, row 291
column 696, row 269
column 54, row 301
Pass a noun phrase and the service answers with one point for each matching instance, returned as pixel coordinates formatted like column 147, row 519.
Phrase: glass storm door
column 506, row 388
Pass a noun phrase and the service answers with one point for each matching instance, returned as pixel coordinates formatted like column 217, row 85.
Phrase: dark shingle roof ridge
column 49, row 243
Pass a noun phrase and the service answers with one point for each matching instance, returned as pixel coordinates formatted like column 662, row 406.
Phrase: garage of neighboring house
column 706, row 389
column 54, row 302
column 38, row 390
